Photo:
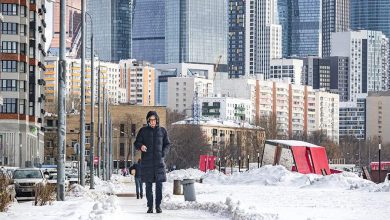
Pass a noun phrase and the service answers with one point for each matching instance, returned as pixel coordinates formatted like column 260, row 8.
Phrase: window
column 22, row 67
column 9, row 106
column 22, row 29
column 31, row 108
column 9, row 9
column 9, row 66
column 32, row 52
column 122, row 130
column 23, row 12
column 87, row 127
column 23, row 48
column 22, row 106
column 8, row 85
column 122, row 150
column 9, row 28
column 87, row 139
column 9, row 47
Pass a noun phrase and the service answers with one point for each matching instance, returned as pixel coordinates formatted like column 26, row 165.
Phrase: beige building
column 378, row 116
column 225, row 134
column 127, row 120
column 138, row 77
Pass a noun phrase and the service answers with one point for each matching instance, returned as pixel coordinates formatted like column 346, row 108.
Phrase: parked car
column 387, row 179
column 25, row 180
column 52, row 179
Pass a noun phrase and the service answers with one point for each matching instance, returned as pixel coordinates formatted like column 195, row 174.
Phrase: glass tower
column 370, row 15
column 305, row 29
column 111, row 28
column 148, row 34
column 196, row 31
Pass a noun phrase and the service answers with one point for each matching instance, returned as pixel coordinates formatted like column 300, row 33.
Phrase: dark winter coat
column 137, row 168
column 157, row 142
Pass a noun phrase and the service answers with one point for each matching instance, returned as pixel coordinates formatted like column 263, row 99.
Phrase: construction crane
column 216, row 66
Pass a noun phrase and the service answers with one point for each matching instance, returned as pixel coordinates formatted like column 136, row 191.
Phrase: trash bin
column 189, row 189
column 177, row 187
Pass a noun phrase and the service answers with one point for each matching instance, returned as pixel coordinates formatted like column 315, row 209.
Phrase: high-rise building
column 290, row 69
column 305, row 28
column 364, row 51
column 335, row 18
column 352, row 118
column 370, row 15
column 21, row 85
column 138, row 78
column 196, row 32
column 148, row 33
column 255, row 37
column 378, row 114
column 284, row 14
column 327, row 114
column 112, row 22
column 73, row 27
column 317, row 73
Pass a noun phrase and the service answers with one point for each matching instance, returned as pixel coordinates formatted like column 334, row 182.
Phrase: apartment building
column 352, row 118
column 327, row 114
column 138, row 78
column 22, row 55
column 290, row 69
column 378, row 116
column 183, row 90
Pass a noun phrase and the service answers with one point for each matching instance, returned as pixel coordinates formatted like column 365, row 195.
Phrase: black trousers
column 149, row 194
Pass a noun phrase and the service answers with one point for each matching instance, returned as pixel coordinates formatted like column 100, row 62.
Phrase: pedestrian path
column 136, row 208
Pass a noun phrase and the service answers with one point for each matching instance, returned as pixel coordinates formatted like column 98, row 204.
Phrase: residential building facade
column 165, row 71
column 138, row 77
column 353, row 118
column 21, row 86
column 364, row 51
column 290, row 69
column 148, row 31
column 183, row 90
column 378, row 114
column 227, row 108
column 327, row 114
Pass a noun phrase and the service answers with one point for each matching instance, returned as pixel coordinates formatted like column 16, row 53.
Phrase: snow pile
column 382, row 187
column 104, row 208
column 113, row 186
column 229, row 208
column 344, row 180
column 266, row 175
column 185, row 174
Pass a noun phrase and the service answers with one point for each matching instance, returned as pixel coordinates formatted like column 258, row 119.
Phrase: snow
column 271, row 192
column 293, row 143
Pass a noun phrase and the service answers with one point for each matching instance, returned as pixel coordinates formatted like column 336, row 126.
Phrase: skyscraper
column 335, row 18
column 196, row 31
column 255, row 37
column 112, row 22
column 148, row 34
column 364, row 50
column 370, row 15
column 304, row 28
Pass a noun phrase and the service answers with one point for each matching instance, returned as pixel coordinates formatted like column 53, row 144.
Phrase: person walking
column 153, row 142
column 137, row 177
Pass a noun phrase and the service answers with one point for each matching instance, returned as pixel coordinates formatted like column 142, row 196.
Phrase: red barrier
column 302, row 160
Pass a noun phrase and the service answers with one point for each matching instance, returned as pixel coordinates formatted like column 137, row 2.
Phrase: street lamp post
column 379, row 157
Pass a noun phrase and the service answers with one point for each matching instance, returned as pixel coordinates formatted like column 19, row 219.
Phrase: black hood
column 151, row 113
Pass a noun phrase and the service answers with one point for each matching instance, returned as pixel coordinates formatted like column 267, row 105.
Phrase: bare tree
column 188, row 143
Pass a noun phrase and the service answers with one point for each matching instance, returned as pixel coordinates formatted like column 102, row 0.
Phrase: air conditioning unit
column 41, row 82
column 39, row 120
column 43, row 129
column 40, row 99
column 43, row 97
column 43, row 111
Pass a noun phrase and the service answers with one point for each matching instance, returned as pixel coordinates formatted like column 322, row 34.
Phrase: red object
column 302, row 160
column 385, row 165
column 320, row 160
column 95, row 160
column 207, row 162
column 332, row 171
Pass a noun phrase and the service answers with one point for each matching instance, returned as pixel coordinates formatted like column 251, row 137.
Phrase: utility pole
column 99, row 127
column 82, row 112
column 104, row 134
column 92, row 144
column 61, row 107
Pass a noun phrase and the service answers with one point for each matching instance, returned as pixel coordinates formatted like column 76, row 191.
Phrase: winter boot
column 137, row 196
column 150, row 210
column 142, row 196
column 158, row 209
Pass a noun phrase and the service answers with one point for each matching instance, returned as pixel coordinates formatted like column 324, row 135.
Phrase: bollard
column 189, row 189
column 177, row 187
